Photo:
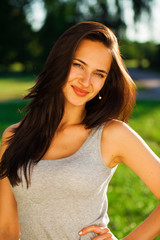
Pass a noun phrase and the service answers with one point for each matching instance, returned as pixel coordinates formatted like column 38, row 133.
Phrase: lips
column 79, row 91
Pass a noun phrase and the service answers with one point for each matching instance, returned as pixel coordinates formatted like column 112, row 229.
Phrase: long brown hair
column 32, row 138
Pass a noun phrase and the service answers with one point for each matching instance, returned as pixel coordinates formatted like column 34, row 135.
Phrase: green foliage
column 10, row 114
column 60, row 16
column 19, row 43
column 139, row 6
column 15, row 32
column 139, row 54
column 145, row 120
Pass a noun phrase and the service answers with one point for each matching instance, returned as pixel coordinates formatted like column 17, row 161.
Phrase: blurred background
column 28, row 30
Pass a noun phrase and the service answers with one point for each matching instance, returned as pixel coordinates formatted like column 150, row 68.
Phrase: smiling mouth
column 80, row 92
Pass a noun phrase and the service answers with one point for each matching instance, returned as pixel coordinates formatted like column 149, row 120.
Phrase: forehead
column 93, row 52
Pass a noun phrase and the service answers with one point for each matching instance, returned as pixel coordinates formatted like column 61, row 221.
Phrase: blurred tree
column 143, row 54
column 155, row 63
column 111, row 12
column 20, row 43
column 100, row 11
column 61, row 14
column 139, row 6
column 16, row 34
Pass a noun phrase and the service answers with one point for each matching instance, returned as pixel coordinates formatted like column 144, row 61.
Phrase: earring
column 99, row 96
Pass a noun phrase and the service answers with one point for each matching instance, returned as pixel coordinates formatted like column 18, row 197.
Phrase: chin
column 77, row 102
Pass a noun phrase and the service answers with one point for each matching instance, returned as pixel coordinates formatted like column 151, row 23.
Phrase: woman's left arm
column 136, row 154
column 131, row 150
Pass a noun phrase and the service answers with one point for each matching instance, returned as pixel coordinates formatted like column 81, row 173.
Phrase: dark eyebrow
column 99, row 70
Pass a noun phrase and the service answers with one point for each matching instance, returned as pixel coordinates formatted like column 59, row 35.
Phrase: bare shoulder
column 6, row 135
column 10, row 128
column 118, row 140
column 121, row 134
column 118, row 128
column 111, row 141
column 8, row 207
column 125, row 142
column 9, row 131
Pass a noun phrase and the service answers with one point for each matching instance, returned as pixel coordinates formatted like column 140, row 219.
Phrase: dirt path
column 149, row 81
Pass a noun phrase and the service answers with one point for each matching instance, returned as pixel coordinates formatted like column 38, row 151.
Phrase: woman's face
column 89, row 70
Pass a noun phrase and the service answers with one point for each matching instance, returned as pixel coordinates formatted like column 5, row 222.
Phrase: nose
column 85, row 80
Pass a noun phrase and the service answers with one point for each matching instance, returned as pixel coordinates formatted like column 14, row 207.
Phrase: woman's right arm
column 9, row 225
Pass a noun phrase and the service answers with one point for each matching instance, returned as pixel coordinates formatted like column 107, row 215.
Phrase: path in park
column 149, row 81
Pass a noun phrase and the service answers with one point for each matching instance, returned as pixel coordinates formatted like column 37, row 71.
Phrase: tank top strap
column 94, row 139
column 97, row 133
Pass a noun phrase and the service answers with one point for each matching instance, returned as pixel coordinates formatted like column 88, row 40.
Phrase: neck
column 73, row 115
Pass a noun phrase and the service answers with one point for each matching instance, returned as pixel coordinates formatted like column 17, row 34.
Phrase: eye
column 77, row 65
column 100, row 75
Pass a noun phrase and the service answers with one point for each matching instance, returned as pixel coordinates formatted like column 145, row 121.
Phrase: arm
column 149, row 229
column 9, row 225
column 135, row 153
column 131, row 150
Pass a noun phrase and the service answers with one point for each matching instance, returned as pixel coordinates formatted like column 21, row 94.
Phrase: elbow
column 156, row 194
column 158, row 197
column 8, row 235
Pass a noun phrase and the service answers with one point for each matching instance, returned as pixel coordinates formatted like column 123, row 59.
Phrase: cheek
column 74, row 73
column 98, row 84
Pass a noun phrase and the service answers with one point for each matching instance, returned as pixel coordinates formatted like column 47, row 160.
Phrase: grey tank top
column 66, row 194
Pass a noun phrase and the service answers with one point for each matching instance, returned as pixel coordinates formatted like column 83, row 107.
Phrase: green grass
column 9, row 113
column 145, row 120
column 14, row 87
column 130, row 201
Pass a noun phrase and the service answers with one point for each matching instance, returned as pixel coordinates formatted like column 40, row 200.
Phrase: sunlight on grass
column 16, row 87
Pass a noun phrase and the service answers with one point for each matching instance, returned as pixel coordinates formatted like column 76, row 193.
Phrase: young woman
column 57, row 162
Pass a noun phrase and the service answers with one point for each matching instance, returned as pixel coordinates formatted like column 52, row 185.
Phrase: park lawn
column 130, row 201
column 14, row 87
